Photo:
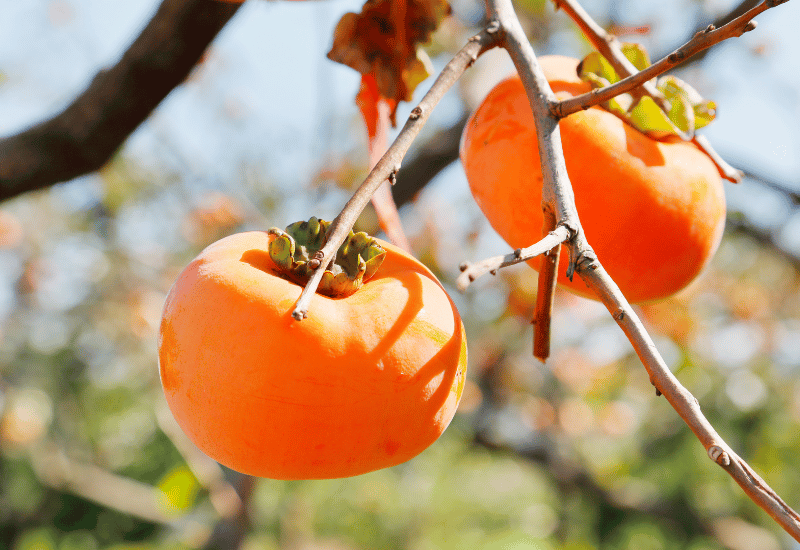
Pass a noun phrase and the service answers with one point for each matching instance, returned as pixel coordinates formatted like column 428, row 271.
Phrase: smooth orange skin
column 653, row 211
column 365, row 382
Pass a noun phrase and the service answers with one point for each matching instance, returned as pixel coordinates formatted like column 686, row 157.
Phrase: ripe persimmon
column 367, row 381
column 653, row 210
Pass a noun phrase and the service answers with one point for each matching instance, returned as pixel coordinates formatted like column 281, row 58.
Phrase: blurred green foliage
column 578, row 453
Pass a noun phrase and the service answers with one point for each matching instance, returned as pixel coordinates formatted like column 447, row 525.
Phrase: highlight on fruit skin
column 653, row 211
column 367, row 381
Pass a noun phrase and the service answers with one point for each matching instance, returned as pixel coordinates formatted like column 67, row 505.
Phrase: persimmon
column 368, row 380
column 653, row 210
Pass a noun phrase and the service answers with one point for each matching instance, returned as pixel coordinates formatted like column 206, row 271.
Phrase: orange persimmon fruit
column 652, row 210
column 367, row 381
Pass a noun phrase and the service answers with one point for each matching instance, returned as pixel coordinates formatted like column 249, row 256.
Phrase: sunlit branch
column 685, row 404
column 470, row 272
column 608, row 45
column 120, row 493
column 726, row 170
column 388, row 166
column 700, row 41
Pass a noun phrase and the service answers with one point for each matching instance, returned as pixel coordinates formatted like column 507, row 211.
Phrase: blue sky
column 268, row 68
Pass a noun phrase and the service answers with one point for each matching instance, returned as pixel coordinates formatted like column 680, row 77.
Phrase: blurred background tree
column 576, row 454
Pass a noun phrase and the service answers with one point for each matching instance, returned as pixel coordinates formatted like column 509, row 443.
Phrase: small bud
column 675, row 57
column 719, row 456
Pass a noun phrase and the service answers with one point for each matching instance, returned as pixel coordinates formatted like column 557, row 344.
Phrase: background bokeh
column 575, row 454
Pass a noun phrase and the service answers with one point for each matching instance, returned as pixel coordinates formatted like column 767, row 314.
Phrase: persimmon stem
column 545, row 293
column 557, row 194
column 389, row 164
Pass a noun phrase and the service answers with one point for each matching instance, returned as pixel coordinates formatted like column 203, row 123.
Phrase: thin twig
column 389, row 164
column 545, row 293
column 557, row 193
column 700, row 41
column 725, row 170
column 470, row 272
column 608, row 45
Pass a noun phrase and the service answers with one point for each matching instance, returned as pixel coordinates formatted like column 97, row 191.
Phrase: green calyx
column 295, row 250
column 688, row 111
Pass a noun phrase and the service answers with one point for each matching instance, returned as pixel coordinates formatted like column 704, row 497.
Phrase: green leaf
column 703, row 111
column 597, row 70
column 648, row 117
column 39, row 539
column 636, row 54
column 687, row 110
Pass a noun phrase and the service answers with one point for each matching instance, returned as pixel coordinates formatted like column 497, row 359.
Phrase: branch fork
column 558, row 198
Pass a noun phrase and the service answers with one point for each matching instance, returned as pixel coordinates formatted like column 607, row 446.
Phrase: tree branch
column 436, row 154
column 719, row 21
column 388, row 166
column 700, row 41
column 56, row 470
column 470, row 272
column 685, row 404
column 84, row 136
column 608, row 45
